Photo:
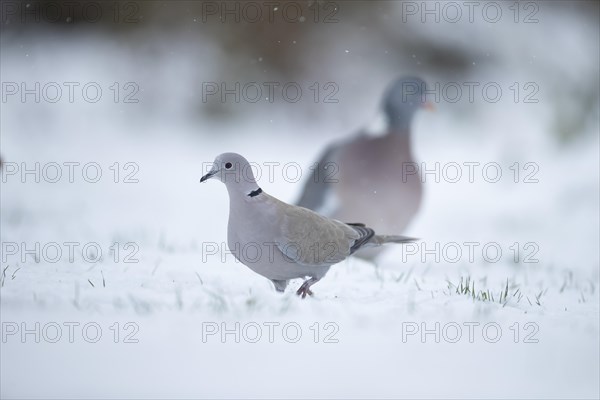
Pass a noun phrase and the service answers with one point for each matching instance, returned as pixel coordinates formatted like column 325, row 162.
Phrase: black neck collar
column 255, row 192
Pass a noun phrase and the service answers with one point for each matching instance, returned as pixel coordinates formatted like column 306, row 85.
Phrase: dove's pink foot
column 305, row 288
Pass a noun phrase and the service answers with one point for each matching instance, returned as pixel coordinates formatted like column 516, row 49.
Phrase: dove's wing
column 313, row 240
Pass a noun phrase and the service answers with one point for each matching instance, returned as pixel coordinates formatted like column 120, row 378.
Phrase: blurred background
column 359, row 47
column 164, row 70
column 152, row 91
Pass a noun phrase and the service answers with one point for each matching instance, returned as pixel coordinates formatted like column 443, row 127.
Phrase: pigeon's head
column 402, row 100
column 234, row 171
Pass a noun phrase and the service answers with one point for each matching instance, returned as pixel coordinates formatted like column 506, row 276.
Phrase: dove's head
column 234, row 171
column 402, row 100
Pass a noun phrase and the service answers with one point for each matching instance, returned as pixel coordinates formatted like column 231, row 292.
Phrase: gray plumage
column 281, row 241
column 370, row 178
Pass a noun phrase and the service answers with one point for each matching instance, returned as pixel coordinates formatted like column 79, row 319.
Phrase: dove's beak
column 428, row 106
column 209, row 175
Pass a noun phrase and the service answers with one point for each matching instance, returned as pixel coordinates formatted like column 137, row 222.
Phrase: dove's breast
column 252, row 233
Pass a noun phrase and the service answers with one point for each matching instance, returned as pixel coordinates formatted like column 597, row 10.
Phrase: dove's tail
column 370, row 239
column 378, row 240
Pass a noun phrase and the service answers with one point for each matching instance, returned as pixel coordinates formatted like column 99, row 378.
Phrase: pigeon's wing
column 318, row 194
column 310, row 239
column 318, row 186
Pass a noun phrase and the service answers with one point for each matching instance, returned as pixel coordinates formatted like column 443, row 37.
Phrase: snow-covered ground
column 167, row 312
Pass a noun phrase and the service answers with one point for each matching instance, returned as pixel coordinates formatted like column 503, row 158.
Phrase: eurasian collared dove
column 372, row 179
column 281, row 241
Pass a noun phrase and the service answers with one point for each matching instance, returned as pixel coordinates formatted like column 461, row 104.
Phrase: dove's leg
column 279, row 285
column 305, row 288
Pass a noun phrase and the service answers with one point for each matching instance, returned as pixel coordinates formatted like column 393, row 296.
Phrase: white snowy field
column 178, row 294
column 167, row 312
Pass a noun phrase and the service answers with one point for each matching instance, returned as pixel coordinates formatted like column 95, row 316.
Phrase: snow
column 365, row 315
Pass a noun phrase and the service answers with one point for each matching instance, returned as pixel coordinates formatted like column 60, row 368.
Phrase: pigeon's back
column 375, row 185
column 372, row 180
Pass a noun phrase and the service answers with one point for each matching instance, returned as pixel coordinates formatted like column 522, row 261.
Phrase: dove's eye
column 228, row 165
